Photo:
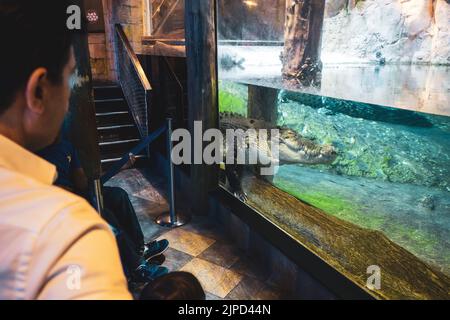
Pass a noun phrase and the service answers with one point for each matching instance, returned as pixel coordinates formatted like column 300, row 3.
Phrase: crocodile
column 292, row 148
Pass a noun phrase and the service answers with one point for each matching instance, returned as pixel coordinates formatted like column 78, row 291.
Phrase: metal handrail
column 132, row 55
column 133, row 80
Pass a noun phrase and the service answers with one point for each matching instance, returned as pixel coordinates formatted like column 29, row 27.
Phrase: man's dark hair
column 174, row 286
column 33, row 34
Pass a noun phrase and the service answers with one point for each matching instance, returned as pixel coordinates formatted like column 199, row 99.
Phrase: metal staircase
column 116, row 128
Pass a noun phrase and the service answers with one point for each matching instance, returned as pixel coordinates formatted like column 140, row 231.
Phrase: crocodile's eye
column 252, row 121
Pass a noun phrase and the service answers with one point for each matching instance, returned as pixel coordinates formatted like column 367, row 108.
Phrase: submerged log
column 348, row 248
column 303, row 31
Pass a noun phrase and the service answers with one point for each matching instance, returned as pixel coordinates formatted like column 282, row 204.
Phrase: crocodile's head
column 295, row 149
column 292, row 147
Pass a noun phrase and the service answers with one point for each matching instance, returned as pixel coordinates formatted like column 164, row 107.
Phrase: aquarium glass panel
column 362, row 174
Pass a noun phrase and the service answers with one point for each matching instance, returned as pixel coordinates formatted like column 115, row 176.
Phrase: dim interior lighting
column 92, row 16
column 250, row 3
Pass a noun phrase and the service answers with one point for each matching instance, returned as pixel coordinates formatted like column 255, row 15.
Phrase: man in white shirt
column 53, row 245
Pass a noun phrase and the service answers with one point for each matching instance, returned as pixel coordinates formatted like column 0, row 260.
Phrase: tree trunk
column 303, row 31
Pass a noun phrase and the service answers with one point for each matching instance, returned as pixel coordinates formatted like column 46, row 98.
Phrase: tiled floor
column 199, row 247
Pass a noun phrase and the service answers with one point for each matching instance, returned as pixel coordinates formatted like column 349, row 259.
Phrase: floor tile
column 214, row 279
column 210, row 296
column 175, row 260
column 200, row 247
column 151, row 194
column 152, row 231
column 222, row 254
column 148, row 208
column 205, row 227
column 188, row 242
column 253, row 289
column 247, row 267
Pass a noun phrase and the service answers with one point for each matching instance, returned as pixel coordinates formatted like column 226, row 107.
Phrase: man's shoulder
column 67, row 145
column 31, row 205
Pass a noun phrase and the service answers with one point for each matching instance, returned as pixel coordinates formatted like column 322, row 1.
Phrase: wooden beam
column 202, row 90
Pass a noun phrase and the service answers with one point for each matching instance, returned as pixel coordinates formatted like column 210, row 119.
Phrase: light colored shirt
column 53, row 245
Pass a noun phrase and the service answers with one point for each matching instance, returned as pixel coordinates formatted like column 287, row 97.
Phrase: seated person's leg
column 135, row 267
column 119, row 212
column 116, row 200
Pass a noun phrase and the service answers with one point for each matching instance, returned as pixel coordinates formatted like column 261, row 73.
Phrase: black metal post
column 170, row 218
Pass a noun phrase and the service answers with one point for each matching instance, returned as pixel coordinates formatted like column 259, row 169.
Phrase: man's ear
column 34, row 92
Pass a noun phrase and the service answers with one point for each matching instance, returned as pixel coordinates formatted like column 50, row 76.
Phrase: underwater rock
column 391, row 208
column 428, row 202
column 372, row 149
column 326, row 112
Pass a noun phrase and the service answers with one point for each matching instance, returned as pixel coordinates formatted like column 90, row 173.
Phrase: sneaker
column 157, row 260
column 155, row 248
column 147, row 272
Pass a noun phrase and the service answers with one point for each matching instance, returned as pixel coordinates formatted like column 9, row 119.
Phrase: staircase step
column 108, row 163
column 114, row 127
column 104, row 114
column 117, row 150
column 114, row 157
column 107, row 92
column 108, row 143
column 110, row 105
column 109, row 119
column 109, row 160
column 126, row 133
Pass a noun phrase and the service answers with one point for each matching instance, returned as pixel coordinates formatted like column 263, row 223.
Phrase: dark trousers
column 119, row 213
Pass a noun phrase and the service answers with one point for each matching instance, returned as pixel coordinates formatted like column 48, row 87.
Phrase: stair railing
column 133, row 80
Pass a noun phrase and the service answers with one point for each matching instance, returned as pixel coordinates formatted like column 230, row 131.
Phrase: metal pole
column 170, row 218
column 173, row 217
column 98, row 195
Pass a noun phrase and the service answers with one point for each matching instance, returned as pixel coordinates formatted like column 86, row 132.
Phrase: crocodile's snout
column 328, row 154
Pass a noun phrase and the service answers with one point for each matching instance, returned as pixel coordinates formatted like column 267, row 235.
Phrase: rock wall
column 400, row 31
